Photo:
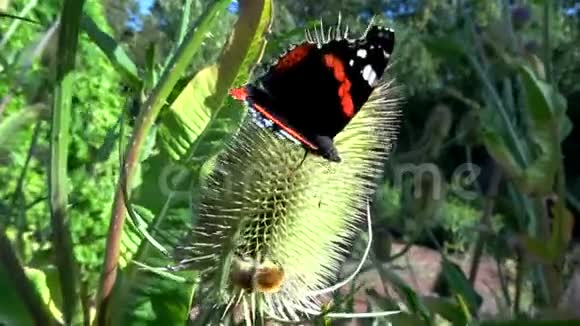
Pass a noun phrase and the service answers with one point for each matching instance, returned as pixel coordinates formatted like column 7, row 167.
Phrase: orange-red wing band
column 289, row 130
column 293, row 56
column 241, row 94
column 337, row 67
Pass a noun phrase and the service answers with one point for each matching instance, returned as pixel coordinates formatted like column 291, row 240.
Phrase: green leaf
column 459, row 285
column 549, row 124
column 39, row 279
column 413, row 301
column 189, row 114
column 17, row 121
column 145, row 121
column 447, row 309
column 541, row 98
column 199, row 107
column 529, row 322
column 113, row 50
column 499, row 150
column 537, row 248
column 12, row 309
column 20, row 302
column 560, row 236
column 18, row 19
column 445, row 46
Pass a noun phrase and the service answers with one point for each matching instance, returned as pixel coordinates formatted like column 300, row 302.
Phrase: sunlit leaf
column 199, row 108
column 40, row 280
column 189, row 113
column 12, row 309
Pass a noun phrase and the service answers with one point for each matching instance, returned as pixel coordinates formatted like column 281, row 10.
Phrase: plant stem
column 502, row 280
column 520, row 269
column 485, row 221
column 59, row 141
column 147, row 116
column 547, row 40
column 18, row 199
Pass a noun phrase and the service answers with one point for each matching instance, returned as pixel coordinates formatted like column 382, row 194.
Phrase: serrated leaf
column 189, row 114
column 200, row 104
column 195, row 109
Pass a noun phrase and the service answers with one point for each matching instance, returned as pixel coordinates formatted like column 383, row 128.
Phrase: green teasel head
column 272, row 231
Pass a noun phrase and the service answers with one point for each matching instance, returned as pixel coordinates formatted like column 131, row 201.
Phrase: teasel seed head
column 271, row 233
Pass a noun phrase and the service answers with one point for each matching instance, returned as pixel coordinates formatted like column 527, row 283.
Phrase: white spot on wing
column 268, row 123
column 286, row 135
column 351, row 62
column 369, row 75
column 386, row 54
column 362, row 53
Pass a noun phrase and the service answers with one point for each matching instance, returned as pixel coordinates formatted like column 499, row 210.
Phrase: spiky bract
column 260, row 204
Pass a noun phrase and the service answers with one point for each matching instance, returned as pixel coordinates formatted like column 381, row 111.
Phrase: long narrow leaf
column 18, row 19
column 112, row 50
column 23, row 305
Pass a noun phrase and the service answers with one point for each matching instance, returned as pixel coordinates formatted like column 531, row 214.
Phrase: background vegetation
column 96, row 95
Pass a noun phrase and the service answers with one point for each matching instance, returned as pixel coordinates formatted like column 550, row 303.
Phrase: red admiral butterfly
column 313, row 91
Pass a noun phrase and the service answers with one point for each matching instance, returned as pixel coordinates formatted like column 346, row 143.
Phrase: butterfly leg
column 326, row 148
